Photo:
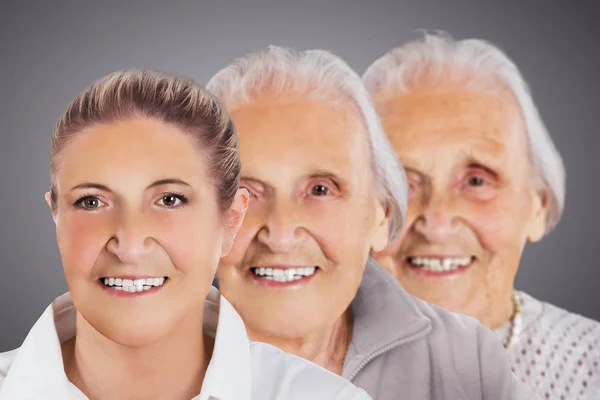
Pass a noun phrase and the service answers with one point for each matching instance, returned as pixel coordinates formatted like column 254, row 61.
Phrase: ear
column 234, row 218
column 381, row 231
column 48, row 198
column 537, row 223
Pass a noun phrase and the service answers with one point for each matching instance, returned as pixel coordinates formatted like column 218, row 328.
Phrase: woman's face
column 313, row 216
column 472, row 202
column 138, row 228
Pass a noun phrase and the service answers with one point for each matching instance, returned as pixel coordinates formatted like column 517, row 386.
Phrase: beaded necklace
column 516, row 323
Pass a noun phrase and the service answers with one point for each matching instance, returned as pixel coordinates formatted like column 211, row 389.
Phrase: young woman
column 145, row 198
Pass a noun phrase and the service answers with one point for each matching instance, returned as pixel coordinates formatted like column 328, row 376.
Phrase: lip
column 280, row 266
column 298, row 283
column 122, row 293
column 133, row 277
column 438, row 274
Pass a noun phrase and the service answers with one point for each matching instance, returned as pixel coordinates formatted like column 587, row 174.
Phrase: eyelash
column 78, row 203
column 326, row 185
column 183, row 198
column 483, row 180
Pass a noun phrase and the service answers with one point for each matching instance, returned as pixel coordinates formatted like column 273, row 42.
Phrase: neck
column 173, row 367
column 498, row 312
column 326, row 347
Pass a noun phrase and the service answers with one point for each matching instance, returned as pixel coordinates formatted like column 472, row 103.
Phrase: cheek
column 498, row 223
column 81, row 239
column 191, row 239
column 342, row 228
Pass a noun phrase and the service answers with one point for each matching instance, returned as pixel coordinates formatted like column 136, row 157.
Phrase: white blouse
column 238, row 370
column 557, row 352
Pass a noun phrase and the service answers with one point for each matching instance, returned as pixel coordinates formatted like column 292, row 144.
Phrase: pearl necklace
column 516, row 323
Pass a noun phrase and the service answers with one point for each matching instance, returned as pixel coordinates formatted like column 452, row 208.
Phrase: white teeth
column 132, row 286
column 284, row 275
column 440, row 264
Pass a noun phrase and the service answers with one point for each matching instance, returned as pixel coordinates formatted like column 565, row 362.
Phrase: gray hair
column 471, row 63
column 320, row 76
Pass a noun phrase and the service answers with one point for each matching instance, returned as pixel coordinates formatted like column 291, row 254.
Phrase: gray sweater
column 403, row 348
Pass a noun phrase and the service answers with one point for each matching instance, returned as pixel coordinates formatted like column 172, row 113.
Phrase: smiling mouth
column 284, row 274
column 445, row 264
column 133, row 285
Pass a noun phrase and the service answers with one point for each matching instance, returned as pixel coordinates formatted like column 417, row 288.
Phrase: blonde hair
column 134, row 93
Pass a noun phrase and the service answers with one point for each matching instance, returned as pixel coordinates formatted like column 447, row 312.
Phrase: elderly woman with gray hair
column 326, row 190
column 484, row 179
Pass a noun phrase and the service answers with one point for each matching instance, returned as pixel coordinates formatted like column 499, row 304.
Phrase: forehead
column 453, row 118
column 131, row 150
column 300, row 134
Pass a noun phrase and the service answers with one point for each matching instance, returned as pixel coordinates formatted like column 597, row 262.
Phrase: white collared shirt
column 238, row 370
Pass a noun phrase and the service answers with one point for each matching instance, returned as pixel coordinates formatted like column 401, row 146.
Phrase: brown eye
column 169, row 201
column 320, row 190
column 172, row 200
column 88, row 203
column 476, row 181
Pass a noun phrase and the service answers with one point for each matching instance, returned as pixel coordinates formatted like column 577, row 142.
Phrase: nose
column 283, row 229
column 437, row 218
column 131, row 242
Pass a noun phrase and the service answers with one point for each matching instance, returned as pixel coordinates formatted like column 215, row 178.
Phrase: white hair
column 476, row 65
column 317, row 75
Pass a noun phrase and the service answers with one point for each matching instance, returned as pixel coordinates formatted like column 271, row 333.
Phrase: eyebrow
column 324, row 174
column 318, row 174
column 337, row 180
column 473, row 162
column 470, row 161
column 92, row 185
column 411, row 170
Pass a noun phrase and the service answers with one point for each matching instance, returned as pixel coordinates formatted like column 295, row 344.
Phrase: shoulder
column 447, row 323
column 475, row 353
column 461, row 336
column 278, row 375
column 6, row 360
column 553, row 315
column 563, row 329
column 569, row 335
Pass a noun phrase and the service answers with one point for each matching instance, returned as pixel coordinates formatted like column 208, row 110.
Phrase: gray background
column 49, row 52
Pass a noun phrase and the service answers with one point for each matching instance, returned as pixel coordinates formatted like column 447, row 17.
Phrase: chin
column 282, row 326
column 463, row 302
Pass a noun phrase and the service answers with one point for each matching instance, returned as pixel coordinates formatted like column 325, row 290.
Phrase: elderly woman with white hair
column 326, row 190
column 484, row 179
